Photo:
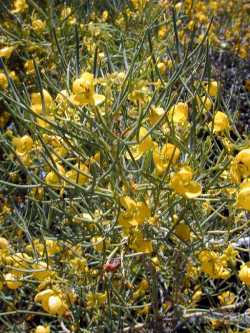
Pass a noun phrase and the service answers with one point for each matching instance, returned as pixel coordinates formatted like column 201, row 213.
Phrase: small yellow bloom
column 36, row 101
column 52, row 302
column 99, row 243
column 142, row 147
column 42, row 329
column 155, row 114
column 6, row 52
column 95, row 300
column 4, row 243
column 20, row 6
column 212, row 88
column 226, row 298
column 136, row 213
column 196, row 297
column 29, row 67
column 38, row 25
column 3, row 81
column 162, row 157
column 13, row 281
column 243, row 162
column 244, row 273
column 41, row 271
column 221, row 122
column 141, row 289
column 182, row 231
column 205, row 103
column 243, row 198
column 53, row 178
column 139, row 244
column 23, row 144
column 84, row 91
column 77, row 177
column 213, row 265
column 179, row 113
column 181, row 182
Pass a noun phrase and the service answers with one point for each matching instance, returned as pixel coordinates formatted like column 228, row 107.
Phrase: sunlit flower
column 42, row 329
column 20, row 6
column 38, row 25
column 99, row 243
column 221, row 122
column 169, row 153
column 136, row 213
column 38, row 101
column 141, row 289
column 155, row 114
column 139, row 244
column 244, row 273
column 226, row 298
column 52, row 302
column 13, row 281
column 178, row 113
column 3, row 81
column 84, row 91
column 182, row 230
column 80, row 177
column 6, row 52
column 213, row 265
column 212, row 88
column 243, row 197
column 181, row 182
column 144, row 145
column 95, row 300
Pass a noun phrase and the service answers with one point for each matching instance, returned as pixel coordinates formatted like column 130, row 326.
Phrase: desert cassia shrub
column 125, row 183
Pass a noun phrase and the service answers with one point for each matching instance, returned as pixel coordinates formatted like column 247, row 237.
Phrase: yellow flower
column 213, row 265
column 19, row 6
column 80, row 265
column 36, row 101
column 244, row 273
column 49, row 246
column 141, row 245
column 52, row 302
column 226, row 298
column 162, row 158
column 205, row 103
column 77, row 177
column 84, row 91
column 212, row 88
column 23, row 144
column 38, row 25
column 53, row 178
column 155, row 114
column 182, row 231
column 4, row 243
column 221, row 122
column 135, row 213
column 243, row 198
column 141, row 289
column 196, row 297
column 181, row 182
column 13, row 281
column 6, row 52
column 95, row 300
column 42, row 329
column 29, row 67
column 41, row 271
column 179, row 113
column 243, row 162
column 142, row 147
column 99, row 243
column 3, row 81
